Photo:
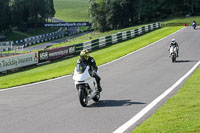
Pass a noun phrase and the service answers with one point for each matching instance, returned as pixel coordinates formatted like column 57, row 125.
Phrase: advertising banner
column 68, row 24
column 18, row 61
column 56, row 53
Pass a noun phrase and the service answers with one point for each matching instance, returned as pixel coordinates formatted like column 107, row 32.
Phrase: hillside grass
column 64, row 67
column 72, row 10
column 181, row 112
column 92, row 36
column 19, row 35
column 181, row 21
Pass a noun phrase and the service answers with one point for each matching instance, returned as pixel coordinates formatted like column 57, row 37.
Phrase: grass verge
column 181, row 21
column 180, row 114
column 72, row 10
column 92, row 36
column 65, row 67
column 19, row 35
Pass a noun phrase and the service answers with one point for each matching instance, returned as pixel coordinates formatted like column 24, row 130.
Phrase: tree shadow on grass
column 114, row 103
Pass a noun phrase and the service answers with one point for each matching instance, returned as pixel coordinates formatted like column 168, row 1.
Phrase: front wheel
column 97, row 97
column 83, row 97
column 173, row 59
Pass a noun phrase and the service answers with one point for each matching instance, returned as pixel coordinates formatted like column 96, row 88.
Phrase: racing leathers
column 93, row 69
column 176, row 45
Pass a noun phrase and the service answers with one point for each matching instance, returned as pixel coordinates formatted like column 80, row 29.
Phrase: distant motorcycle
column 85, row 84
column 173, row 53
column 194, row 25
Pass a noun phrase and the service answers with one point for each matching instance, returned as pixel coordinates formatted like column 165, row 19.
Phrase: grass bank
column 72, row 10
column 181, row 21
column 180, row 114
column 19, row 35
column 92, row 36
column 65, row 67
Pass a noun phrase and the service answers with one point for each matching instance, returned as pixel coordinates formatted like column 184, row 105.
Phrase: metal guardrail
column 116, row 38
column 8, row 63
column 97, row 43
column 36, row 39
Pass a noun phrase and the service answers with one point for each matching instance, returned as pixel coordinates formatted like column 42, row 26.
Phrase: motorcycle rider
column 174, row 43
column 88, row 60
column 194, row 24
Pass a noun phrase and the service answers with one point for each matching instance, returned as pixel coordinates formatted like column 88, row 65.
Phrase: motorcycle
column 85, row 84
column 173, row 53
column 194, row 25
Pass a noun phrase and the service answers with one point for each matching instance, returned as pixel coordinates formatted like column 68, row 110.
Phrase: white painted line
column 139, row 115
column 99, row 66
column 34, row 83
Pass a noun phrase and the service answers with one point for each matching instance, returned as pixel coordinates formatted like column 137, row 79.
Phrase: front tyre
column 83, row 97
column 97, row 97
column 173, row 58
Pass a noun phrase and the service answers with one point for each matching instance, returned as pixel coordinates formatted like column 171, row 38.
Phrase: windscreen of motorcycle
column 80, row 68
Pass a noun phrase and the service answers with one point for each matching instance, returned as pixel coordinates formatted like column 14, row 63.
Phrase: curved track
column 129, row 85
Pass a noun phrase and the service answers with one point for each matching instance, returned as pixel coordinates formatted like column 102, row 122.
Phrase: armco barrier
column 37, row 39
column 116, row 38
column 17, row 61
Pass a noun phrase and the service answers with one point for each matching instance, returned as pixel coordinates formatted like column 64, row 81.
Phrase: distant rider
column 194, row 24
column 88, row 60
column 174, row 43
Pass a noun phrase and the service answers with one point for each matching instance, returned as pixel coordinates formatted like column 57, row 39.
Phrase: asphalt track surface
column 129, row 85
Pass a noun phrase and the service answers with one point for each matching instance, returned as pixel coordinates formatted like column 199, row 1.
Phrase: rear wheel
column 83, row 97
column 97, row 97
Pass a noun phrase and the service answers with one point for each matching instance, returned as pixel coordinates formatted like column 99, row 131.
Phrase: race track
column 129, row 85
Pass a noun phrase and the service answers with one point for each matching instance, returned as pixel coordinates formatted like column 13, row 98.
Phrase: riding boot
column 98, row 82
column 99, row 86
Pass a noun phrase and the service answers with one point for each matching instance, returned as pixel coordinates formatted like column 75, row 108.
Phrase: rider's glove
column 93, row 73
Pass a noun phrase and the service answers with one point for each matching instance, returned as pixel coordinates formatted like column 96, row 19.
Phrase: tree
column 4, row 15
column 98, row 13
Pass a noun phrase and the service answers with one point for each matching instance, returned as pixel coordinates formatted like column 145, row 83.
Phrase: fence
column 41, row 38
column 36, row 39
column 8, row 49
column 72, row 50
column 115, row 38
column 98, row 43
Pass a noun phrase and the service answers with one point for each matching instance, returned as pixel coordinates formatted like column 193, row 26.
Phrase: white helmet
column 173, row 41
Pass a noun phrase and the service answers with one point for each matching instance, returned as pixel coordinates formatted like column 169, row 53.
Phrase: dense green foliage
column 114, row 14
column 21, row 12
column 4, row 15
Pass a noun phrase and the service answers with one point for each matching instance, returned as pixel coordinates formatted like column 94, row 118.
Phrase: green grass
column 18, row 35
column 92, row 36
column 181, row 21
column 95, row 35
column 72, row 10
column 65, row 67
column 181, row 113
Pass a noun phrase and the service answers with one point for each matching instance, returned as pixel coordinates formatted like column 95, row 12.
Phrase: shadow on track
column 197, row 28
column 114, row 103
column 185, row 61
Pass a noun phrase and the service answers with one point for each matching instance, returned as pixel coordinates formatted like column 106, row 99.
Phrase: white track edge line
column 99, row 66
column 139, row 115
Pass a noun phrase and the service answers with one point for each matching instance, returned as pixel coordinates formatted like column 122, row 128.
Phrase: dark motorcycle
column 194, row 25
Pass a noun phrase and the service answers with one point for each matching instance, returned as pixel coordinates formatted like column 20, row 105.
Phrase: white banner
column 18, row 61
